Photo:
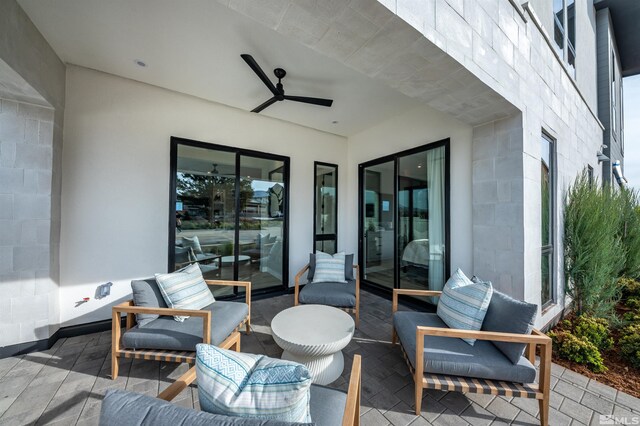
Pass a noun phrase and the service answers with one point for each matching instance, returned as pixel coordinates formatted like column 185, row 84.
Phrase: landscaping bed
column 620, row 374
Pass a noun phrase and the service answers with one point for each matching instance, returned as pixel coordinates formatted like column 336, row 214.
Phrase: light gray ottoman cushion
column 327, row 405
column 454, row 357
column 332, row 294
column 120, row 408
column 168, row 334
column 147, row 294
column 508, row 315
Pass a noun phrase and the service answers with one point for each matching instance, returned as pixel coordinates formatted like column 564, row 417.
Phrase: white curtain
column 435, row 182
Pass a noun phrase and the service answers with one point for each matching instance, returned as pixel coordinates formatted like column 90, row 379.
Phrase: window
column 325, row 234
column 547, row 222
column 614, row 93
column 229, row 214
column 564, row 30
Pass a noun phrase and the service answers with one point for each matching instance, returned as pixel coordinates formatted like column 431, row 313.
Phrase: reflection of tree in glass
column 214, row 190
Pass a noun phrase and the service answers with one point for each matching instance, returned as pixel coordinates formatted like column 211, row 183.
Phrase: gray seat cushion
column 327, row 405
column 333, row 294
column 131, row 409
column 454, row 357
column 169, row 334
column 147, row 294
column 508, row 315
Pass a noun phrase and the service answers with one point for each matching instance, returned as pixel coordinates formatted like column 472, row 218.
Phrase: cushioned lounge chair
column 339, row 295
column 151, row 333
column 329, row 407
column 439, row 359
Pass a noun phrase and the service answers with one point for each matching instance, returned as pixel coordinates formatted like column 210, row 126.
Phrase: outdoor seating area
column 66, row 384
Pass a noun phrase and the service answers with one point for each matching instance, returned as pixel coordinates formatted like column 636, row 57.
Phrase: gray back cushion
column 348, row 267
column 121, row 408
column 508, row 315
column 147, row 294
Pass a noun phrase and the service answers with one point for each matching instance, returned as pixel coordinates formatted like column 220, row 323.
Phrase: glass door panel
column 421, row 217
column 326, row 207
column 262, row 222
column 378, row 218
column 205, row 212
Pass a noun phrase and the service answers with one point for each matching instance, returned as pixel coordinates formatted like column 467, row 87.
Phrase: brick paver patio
column 65, row 385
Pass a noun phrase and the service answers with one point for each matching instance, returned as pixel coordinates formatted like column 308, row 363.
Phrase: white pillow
column 463, row 303
column 185, row 289
column 329, row 268
column 248, row 385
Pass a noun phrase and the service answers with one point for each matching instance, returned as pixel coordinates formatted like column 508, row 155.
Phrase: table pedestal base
column 324, row 369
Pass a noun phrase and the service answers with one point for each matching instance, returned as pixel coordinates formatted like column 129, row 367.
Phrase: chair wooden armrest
column 537, row 338
column 296, row 289
column 351, row 415
column 247, row 294
column 408, row 292
column 189, row 377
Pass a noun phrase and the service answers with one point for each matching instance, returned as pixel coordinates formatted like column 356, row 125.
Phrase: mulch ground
column 620, row 374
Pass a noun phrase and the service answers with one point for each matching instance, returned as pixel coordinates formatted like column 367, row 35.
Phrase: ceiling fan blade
column 264, row 105
column 307, row 100
column 256, row 68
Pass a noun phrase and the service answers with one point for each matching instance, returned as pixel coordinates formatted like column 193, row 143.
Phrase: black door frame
column 323, row 237
column 239, row 152
column 395, row 157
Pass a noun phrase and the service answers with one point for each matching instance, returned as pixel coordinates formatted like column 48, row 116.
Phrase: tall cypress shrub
column 594, row 255
column 630, row 232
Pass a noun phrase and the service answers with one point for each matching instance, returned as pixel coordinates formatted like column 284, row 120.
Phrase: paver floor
column 65, row 385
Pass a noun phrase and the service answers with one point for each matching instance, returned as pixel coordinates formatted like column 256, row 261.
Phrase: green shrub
column 629, row 287
column 633, row 316
column 595, row 330
column 633, row 303
column 579, row 350
column 630, row 344
column 594, row 254
column 630, row 231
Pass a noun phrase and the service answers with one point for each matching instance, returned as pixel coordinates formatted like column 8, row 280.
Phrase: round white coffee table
column 314, row 335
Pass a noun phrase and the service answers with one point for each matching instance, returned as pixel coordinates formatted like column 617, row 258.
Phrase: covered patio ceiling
column 359, row 53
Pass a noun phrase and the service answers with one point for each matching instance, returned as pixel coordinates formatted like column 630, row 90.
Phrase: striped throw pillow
column 463, row 304
column 329, row 269
column 185, row 289
column 248, row 385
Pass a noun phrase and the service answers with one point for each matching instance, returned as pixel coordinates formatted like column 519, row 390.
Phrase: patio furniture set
column 495, row 356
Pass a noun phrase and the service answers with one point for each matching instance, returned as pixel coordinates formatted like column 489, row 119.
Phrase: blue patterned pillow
column 463, row 304
column 329, row 269
column 248, row 385
column 185, row 289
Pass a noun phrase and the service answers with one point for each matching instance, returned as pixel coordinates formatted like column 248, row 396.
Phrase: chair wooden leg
column 544, row 411
column 357, row 318
column 394, row 337
column 248, row 326
column 418, row 396
column 114, row 365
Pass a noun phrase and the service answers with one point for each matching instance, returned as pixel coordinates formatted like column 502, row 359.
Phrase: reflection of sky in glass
column 263, row 185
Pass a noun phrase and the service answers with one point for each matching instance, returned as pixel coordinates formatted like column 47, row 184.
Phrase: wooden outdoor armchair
column 351, row 416
column 540, row 391
column 128, row 308
column 355, row 309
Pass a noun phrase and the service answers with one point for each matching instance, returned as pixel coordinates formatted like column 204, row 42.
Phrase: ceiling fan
column 278, row 90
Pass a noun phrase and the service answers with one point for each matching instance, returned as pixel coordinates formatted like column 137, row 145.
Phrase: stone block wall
column 26, row 289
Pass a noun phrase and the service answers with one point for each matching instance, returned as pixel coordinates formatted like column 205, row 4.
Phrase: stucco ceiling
column 194, row 47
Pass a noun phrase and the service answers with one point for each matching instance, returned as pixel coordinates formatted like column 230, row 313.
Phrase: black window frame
column 549, row 249
column 173, row 168
column 324, row 237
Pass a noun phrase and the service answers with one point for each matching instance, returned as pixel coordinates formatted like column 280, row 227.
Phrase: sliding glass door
column 229, row 214
column 404, row 219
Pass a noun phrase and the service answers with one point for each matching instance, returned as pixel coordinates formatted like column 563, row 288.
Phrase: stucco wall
column 116, row 179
